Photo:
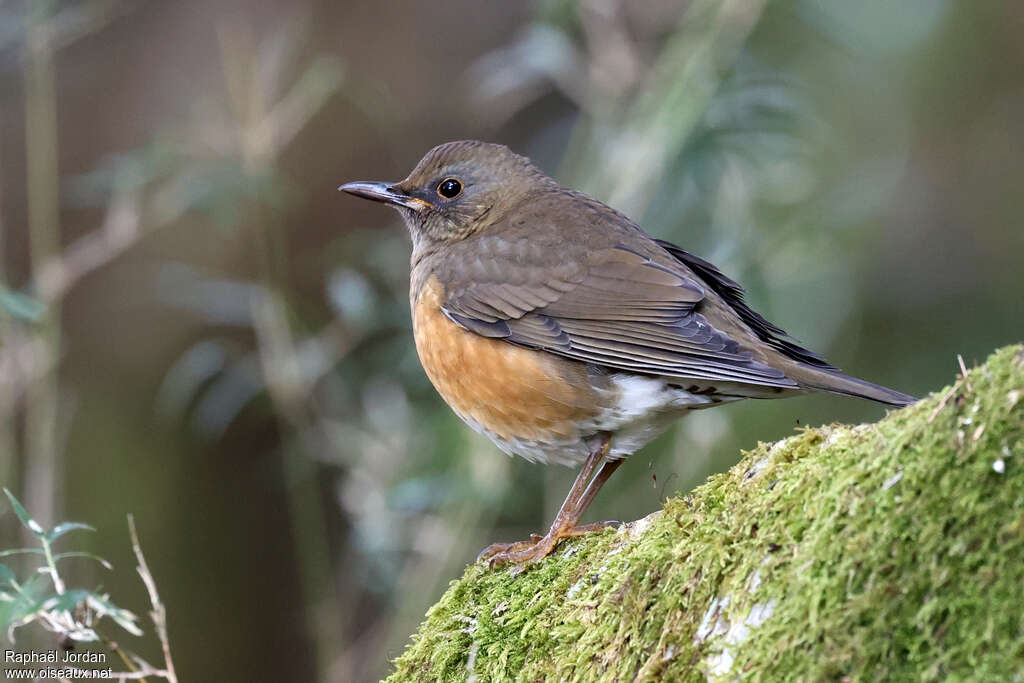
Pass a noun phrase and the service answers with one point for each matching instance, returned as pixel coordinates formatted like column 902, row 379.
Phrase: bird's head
column 457, row 189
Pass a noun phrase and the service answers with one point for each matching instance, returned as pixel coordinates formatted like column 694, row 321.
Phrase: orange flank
column 512, row 392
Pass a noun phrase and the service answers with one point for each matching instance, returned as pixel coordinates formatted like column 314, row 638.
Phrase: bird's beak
column 384, row 192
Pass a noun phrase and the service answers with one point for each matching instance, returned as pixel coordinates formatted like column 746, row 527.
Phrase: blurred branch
column 267, row 126
column 159, row 613
column 290, row 115
column 658, row 121
column 76, row 21
column 42, row 480
column 128, row 219
column 45, row 28
column 74, row 614
column 27, row 359
column 635, row 118
column 120, row 230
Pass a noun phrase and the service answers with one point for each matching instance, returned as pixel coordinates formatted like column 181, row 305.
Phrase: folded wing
column 619, row 309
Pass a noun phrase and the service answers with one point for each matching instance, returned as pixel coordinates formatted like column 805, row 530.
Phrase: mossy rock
column 891, row 551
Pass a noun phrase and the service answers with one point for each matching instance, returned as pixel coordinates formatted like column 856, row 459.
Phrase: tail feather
column 807, row 368
column 838, row 383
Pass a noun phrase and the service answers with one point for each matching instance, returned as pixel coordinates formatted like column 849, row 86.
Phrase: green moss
column 892, row 550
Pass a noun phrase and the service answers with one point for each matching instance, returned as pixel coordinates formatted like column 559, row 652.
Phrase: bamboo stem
column 42, row 476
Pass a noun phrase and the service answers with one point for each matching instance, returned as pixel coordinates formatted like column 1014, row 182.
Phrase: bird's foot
column 496, row 549
column 521, row 554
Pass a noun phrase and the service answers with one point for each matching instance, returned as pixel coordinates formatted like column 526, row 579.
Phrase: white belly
column 639, row 409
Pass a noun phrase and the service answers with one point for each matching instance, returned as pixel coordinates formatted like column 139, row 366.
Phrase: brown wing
column 613, row 307
column 732, row 293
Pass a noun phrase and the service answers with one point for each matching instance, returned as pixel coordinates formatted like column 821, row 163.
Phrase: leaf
column 123, row 617
column 26, row 519
column 61, row 556
column 7, row 576
column 21, row 306
column 22, row 611
column 61, row 529
column 21, row 551
column 65, row 602
column 26, row 612
column 21, row 604
column 57, row 557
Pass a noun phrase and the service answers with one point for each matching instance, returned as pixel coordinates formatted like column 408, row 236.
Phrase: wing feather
column 620, row 309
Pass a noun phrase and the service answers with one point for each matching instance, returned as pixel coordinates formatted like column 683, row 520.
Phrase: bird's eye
column 449, row 188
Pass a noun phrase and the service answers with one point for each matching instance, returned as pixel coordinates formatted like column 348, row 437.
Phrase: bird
column 555, row 326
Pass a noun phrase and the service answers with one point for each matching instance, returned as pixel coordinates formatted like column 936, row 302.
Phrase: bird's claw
column 521, row 554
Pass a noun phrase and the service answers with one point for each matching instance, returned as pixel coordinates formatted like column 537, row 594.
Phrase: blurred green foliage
column 231, row 346
column 67, row 613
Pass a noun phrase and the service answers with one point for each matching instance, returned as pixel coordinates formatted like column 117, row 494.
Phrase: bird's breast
column 536, row 404
column 508, row 392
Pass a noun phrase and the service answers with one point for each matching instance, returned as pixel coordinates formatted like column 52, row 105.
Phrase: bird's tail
column 838, row 383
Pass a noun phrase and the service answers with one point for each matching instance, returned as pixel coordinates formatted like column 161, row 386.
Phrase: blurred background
column 196, row 328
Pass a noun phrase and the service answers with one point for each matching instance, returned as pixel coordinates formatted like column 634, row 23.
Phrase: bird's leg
column 607, row 468
column 565, row 525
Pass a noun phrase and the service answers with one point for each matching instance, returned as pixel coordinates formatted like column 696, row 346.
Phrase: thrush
column 558, row 328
